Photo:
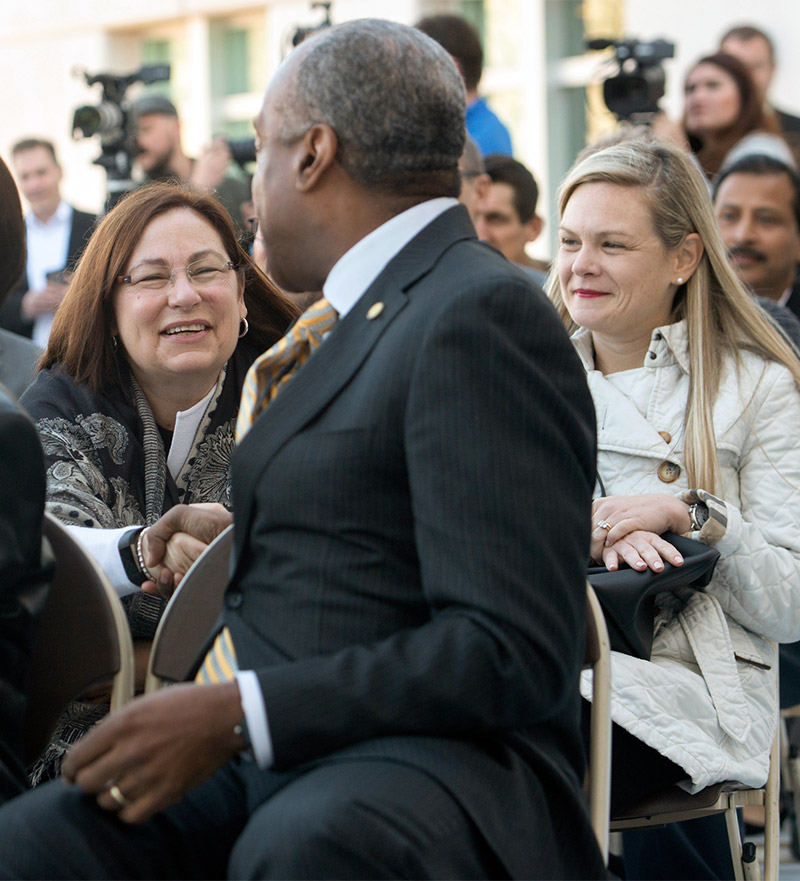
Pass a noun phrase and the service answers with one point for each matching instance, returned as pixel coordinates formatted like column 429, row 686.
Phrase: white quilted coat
column 707, row 698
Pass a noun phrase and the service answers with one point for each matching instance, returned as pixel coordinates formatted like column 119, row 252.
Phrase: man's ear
column 533, row 228
column 482, row 186
column 316, row 155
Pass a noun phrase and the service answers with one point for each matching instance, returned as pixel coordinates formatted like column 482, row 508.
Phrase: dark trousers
column 343, row 819
column 694, row 849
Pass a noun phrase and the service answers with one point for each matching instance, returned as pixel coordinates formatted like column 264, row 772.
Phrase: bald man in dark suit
column 406, row 609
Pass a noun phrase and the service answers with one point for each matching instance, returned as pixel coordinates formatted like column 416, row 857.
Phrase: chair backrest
column 598, row 657
column 82, row 639
column 190, row 614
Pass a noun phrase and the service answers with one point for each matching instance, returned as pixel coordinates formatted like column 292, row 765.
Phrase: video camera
column 633, row 92
column 243, row 150
column 113, row 121
column 303, row 32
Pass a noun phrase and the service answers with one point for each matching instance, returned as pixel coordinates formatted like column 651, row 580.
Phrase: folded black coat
column 628, row 597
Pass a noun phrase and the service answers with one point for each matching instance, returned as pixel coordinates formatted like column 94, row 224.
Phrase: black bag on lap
column 628, row 597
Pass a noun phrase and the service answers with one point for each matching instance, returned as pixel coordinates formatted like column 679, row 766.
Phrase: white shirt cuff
column 102, row 545
column 255, row 714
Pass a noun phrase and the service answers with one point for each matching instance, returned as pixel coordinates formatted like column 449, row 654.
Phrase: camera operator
column 56, row 234
column 161, row 156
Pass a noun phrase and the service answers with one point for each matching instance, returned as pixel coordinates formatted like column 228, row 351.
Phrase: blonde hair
column 721, row 316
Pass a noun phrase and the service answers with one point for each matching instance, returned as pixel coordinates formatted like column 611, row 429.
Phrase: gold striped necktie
column 277, row 365
column 264, row 379
column 219, row 665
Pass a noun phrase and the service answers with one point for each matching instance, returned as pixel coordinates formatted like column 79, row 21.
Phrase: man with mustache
column 757, row 203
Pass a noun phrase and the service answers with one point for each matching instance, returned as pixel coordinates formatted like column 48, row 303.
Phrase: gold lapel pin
column 374, row 310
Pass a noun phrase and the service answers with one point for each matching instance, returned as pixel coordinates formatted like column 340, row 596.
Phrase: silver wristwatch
column 698, row 515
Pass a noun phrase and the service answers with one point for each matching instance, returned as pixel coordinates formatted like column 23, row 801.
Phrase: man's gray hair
column 394, row 98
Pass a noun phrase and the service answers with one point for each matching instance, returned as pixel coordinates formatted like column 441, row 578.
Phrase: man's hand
column 211, row 165
column 157, row 748
column 36, row 303
column 177, row 539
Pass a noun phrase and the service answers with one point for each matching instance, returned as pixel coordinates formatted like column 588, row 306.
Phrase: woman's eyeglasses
column 203, row 273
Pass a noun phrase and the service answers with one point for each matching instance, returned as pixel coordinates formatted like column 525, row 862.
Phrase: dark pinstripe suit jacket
column 411, row 539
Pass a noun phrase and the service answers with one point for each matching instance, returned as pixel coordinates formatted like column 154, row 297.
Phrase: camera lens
column 87, row 120
column 105, row 119
column 243, row 150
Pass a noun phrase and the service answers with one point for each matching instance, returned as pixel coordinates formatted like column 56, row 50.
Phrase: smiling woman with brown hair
column 138, row 394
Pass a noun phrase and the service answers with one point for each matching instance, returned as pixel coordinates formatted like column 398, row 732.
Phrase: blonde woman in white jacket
column 698, row 415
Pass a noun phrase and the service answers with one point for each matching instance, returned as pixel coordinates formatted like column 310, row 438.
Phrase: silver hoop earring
column 243, row 330
column 114, row 343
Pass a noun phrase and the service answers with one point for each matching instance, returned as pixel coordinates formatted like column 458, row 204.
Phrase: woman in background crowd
column 723, row 118
column 138, row 394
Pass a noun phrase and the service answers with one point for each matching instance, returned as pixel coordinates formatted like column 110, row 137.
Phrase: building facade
column 539, row 76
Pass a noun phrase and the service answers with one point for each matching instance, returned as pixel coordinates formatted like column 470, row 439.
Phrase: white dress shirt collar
column 62, row 215
column 355, row 270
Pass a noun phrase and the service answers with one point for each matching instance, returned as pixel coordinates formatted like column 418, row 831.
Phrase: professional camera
column 303, row 32
column 243, row 151
column 112, row 120
column 632, row 93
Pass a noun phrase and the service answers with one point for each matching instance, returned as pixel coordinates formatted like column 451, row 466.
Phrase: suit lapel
column 338, row 359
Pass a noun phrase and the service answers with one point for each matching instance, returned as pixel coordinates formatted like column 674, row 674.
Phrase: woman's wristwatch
column 698, row 515
column 130, row 553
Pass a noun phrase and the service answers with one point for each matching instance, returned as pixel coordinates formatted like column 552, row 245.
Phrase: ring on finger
column 604, row 524
column 115, row 793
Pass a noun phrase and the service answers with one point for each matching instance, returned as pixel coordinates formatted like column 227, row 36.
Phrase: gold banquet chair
column 598, row 657
column 675, row 804
column 82, row 639
column 190, row 615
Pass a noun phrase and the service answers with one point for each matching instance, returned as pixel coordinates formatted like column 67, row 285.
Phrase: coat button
column 669, row 472
column 666, row 437
column 233, row 599
column 652, row 356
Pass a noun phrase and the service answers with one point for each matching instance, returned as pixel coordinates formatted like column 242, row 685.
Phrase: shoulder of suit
column 10, row 341
column 788, row 122
column 83, row 216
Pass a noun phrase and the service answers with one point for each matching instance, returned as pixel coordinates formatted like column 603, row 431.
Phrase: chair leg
column 735, row 843
column 772, row 814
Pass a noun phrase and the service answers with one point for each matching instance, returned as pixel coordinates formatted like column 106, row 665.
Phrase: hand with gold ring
column 631, row 525
column 115, row 793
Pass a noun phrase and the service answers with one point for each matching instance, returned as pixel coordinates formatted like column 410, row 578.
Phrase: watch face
column 699, row 515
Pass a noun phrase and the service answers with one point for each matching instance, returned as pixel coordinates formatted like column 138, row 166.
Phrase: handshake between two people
column 176, row 540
